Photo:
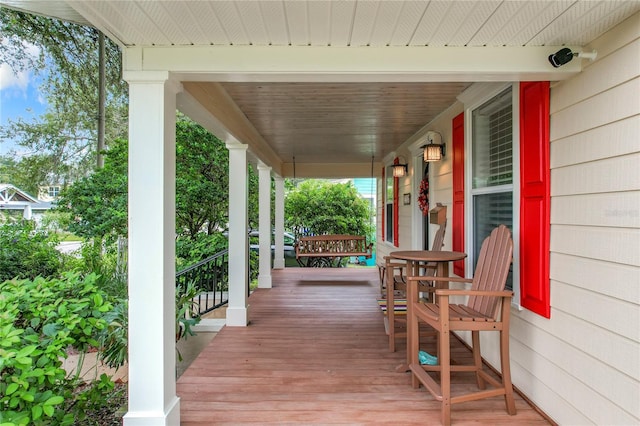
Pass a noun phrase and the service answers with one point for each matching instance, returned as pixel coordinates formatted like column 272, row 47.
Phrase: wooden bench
column 328, row 250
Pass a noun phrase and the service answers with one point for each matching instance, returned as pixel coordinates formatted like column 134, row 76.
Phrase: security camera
column 565, row 55
column 561, row 57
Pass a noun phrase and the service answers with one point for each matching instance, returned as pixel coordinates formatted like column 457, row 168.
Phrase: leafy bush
column 26, row 252
column 114, row 337
column 321, row 207
column 190, row 250
column 39, row 320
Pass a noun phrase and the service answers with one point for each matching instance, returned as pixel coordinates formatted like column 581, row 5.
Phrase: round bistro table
column 414, row 259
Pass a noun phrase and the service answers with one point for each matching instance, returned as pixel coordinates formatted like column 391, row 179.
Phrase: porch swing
column 329, row 250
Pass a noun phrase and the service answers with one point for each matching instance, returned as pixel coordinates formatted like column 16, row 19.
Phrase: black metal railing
column 211, row 277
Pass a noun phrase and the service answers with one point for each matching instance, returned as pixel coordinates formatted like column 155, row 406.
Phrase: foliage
column 321, row 207
column 28, row 173
column 62, row 142
column 202, row 180
column 39, row 320
column 186, row 312
column 193, row 250
column 97, row 203
column 113, row 338
column 26, row 252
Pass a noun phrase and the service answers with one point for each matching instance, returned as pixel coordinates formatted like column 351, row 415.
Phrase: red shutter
column 457, row 230
column 534, row 197
column 396, row 208
column 384, row 206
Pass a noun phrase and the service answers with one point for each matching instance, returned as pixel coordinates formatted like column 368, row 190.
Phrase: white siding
column 582, row 366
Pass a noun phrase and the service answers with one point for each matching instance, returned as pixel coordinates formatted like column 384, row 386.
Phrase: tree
column 64, row 138
column 202, row 180
column 98, row 203
column 321, row 207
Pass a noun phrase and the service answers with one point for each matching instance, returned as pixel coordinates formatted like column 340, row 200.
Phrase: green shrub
column 190, row 250
column 26, row 252
column 40, row 320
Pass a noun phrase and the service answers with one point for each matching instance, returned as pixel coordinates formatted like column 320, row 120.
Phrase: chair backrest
column 438, row 243
column 492, row 270
column 438, row 239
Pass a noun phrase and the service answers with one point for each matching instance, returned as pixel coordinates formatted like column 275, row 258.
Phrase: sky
column 19, row 98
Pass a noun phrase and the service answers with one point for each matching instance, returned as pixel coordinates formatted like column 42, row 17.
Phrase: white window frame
column 473, row 98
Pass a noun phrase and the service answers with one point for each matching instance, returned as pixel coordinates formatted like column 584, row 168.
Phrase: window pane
column 492, row 142
column 489, row 211
column 389, row 219
column 389, row 223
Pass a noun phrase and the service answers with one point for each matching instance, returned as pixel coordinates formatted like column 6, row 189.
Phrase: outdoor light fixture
column 565, row 55
column 433, row 151
column 399, row 170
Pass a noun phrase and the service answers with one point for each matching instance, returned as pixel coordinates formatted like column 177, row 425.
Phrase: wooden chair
column 487, row 309
column 396, row 275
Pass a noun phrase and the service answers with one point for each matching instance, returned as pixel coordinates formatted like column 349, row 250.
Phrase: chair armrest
column 436, row 278
column 495, row 293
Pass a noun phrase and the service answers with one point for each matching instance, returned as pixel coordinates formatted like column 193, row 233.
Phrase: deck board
column 316, row 352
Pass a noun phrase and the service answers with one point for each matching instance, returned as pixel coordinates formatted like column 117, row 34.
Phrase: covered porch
column 316, row 353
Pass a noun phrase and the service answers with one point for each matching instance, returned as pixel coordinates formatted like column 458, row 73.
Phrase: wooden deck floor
column 316, row 353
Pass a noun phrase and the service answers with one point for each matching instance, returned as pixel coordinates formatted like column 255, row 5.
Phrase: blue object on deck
column 371, row 261
column 426, row 358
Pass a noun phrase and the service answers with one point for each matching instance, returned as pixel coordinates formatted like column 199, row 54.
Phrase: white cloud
column 10, row 80
column 21, row 80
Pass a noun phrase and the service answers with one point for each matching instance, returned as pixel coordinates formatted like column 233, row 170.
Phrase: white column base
column 264, row 281
column 237, row 317
column 171, row 416
column 278, row 263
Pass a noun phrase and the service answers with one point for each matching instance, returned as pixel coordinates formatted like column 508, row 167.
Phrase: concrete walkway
column 188, row 348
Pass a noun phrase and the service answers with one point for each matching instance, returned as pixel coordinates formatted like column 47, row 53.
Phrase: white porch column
column 152, row 374
column 278, row 260
column 238, row 307
column 264, row 200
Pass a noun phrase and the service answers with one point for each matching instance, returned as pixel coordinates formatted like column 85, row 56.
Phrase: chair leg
column 506, row 372
column 413, row 346
column 445, row 376
column 477, row 358
column 391, row 306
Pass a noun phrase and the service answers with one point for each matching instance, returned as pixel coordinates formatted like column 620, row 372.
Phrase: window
column 388, row 203
column 391, row 206
column 492, row 168
column 53, row 191
column 508, row 169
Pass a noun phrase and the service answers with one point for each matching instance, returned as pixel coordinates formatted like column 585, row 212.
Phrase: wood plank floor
column 316, row 353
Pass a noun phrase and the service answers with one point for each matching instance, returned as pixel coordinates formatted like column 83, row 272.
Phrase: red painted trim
column 457, row 228
column 534, row 197
column 396, row 207
column 383, row 205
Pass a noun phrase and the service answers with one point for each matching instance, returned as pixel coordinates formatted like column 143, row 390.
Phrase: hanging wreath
column 423, row 196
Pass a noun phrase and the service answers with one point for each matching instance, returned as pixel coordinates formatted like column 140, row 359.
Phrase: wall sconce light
column 399, row 170
column 434, row 151
column 565, row 55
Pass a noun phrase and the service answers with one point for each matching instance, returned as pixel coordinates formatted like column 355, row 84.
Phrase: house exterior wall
column 581, row 366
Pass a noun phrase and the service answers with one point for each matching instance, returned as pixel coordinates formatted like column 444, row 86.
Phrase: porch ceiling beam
column 228, row 121
column 331, row 171
column 352, row 64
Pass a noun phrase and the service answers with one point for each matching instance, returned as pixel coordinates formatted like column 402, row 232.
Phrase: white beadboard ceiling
column 343, row 22
column 346, row 122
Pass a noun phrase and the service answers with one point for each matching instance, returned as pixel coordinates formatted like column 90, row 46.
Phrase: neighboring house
column 18, row 202
column 49, row 192
column 316, row 89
